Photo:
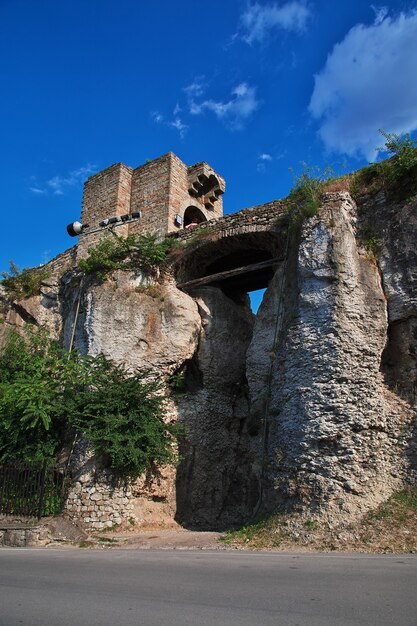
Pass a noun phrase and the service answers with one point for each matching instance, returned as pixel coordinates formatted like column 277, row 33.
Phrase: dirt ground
column 62, row 532
column 178, row 539
column 392, row 528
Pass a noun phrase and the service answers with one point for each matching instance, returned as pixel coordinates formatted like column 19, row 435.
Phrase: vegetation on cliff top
column 127, row 253
column 397, row 176
column 304, row 198
column 20, row 284
column 47, row 395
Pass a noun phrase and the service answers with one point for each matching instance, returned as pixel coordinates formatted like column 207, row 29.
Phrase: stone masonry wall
column 106, row 194
column 254, row 219
column 180, row 198
column 158, row 189
column 150, row 193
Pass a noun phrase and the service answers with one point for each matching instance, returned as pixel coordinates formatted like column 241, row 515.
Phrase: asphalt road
column 124, row 587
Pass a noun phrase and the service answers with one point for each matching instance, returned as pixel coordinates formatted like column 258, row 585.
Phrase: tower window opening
column 193, row 217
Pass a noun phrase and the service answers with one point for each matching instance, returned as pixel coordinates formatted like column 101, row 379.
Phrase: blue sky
column 253, row 88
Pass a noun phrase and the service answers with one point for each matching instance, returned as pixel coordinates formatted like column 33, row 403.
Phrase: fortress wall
column 150, row 193
column 62, row 262
column 179, row 198
column 106, row 194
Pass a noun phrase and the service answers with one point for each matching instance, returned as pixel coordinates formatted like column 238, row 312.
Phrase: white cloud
column 57, row 185
column 235, row 111
column 196, row 88
column 258, row 22
column 157, row 117
column 369, row 81
column 37, row 190
column 176, row 122
column 263, row 159
column 179, row 126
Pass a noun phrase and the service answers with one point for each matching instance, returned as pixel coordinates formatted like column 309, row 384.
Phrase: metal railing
column 31, row 490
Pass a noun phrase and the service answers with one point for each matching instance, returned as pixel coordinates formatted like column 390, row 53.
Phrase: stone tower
column 166, row 193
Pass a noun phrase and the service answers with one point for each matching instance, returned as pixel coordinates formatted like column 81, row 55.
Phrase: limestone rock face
column 41, row 310
column 396, row 229
column 333, row 430
column 260, row 355
column 396, row 225
column 145, row 327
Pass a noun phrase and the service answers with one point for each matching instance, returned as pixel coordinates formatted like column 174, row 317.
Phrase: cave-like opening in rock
column 218, row 483
column 238, row 265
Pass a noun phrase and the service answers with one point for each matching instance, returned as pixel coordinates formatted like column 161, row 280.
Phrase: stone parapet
column 263, row 217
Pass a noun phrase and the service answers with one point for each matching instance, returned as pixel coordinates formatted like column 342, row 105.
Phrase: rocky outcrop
column 142, row 325
column 42, row 309
column 307, row 406
column 396, row 231
column 331, row 427
column 39, row 310
column 134, row 321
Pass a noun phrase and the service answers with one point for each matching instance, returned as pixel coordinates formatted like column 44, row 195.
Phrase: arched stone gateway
column 238, row 253
column 238, row 263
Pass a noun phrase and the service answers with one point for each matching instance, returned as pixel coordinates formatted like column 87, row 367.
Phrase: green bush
column 372, row 243
column 304, row 198
column 108, row 255
column 115, row 252
column 25, row 283
column 151, row 252
column 404, row 152
column 46, row 395
column 176, row 383
column 122, row 416
column 397, row 175
column 36, row 387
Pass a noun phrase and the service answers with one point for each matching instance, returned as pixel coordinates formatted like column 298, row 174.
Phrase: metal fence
column 35, row 490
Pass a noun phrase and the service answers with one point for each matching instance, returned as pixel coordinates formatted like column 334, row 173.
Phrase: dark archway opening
column 217, row 487
column 193, row 215
column 238, row 264
column 252, row 267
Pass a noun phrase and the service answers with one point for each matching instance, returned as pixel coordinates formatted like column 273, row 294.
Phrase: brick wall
column 62, row 263
column 105, row 194
column 160, row 190
column 150, row 194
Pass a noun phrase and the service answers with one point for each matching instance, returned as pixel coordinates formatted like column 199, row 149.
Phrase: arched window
column 193, row 216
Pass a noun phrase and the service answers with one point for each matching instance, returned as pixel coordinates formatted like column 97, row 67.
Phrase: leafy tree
column 122, row 416
column 46, row 395
column 35, row 386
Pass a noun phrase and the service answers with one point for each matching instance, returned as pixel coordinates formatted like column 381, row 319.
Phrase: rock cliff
column 308, row 406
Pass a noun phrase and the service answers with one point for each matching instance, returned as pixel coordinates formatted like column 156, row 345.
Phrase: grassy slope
column 390, row 528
